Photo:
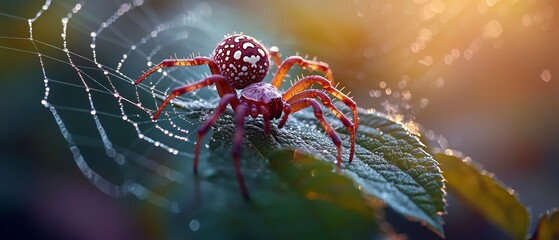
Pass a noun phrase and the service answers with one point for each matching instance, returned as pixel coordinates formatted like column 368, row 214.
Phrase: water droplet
column 448, row 59
column 110, row 152
column 423, row 102
column 439, row 82
column 455, row 53
column 527, row 20
column 368, row 52
column 492, row 29
column 406, row 95
column 93, row 112
column 437, row 6
column 546, row 75
column 375, row 93
column 468, row 54
column 388, row 91
column 120, row 159
column 402, row 84
column 490, row 3
column 194, row 225
column 427, row 61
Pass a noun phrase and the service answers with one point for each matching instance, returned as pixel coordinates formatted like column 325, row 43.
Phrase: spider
column 240, row 62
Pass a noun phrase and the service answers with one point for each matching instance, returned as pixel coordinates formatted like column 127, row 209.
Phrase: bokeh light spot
column 492, row 29
column 546, row 75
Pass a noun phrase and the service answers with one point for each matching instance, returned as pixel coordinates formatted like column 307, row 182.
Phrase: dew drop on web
column 106, row 120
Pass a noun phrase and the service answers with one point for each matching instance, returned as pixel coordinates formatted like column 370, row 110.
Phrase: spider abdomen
column 242, row 60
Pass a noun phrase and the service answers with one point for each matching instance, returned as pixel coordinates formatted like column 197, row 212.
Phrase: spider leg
column 255, row 109
column 223, row 88
column 305, row 102
column 241, row 111
column 286, row 112
column 305, row 64
column 228, row 98
column 275, row 55
column 304, row 83
column 181, row 63
column 266, row 117
column 313, row 93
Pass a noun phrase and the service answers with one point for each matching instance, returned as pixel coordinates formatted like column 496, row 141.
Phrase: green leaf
column 483, row 192
column 390, row 164
column 548, row 226
column 304, row 199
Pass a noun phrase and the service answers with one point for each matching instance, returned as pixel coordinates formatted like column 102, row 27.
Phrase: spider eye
column 242, row 60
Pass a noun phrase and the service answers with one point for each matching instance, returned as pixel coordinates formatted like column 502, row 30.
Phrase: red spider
column 241, row 62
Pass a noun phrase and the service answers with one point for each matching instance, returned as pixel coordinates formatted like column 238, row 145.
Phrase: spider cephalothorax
column 240, row 62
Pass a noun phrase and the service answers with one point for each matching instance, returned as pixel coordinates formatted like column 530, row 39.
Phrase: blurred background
column 483, row 74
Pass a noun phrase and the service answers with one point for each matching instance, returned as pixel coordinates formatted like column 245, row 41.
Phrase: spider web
column 90, row 52
column 88, row 83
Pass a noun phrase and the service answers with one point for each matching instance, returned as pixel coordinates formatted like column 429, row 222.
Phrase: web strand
column 105, row 84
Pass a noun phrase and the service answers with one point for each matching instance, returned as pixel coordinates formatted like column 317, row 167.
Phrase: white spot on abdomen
column 248, row 44
column 237, row 55
column 238, row 38
column 261, row 52
column 252, row 60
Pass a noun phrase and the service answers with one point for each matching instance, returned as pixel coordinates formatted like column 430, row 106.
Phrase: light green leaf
column 483, row 192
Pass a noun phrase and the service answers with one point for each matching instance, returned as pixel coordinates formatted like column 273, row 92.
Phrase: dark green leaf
column 303, row 199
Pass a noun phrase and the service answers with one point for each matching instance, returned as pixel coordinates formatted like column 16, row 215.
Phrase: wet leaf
column 548, row 226
column 483, row 192
column 390, row 163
